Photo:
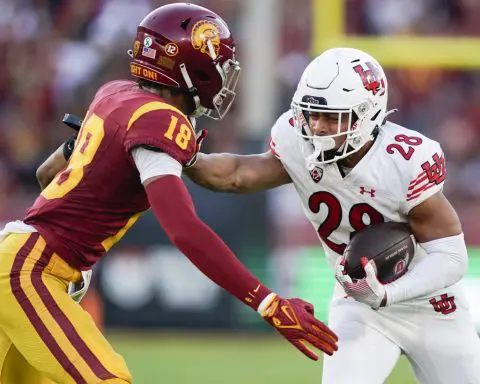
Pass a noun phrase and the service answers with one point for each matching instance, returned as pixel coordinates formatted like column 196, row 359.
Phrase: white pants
column 442, row 348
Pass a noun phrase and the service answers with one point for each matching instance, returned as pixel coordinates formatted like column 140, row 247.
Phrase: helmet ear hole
column 202, row 76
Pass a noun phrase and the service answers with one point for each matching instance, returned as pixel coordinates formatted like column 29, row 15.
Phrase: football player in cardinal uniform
column 128, row 157
column 352, row 168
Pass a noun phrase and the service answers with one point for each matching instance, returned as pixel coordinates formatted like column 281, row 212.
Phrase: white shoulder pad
column 421, row 163
column 283, row 137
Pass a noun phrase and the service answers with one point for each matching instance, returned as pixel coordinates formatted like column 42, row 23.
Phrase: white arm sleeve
column 150, row 163
column 444, row 264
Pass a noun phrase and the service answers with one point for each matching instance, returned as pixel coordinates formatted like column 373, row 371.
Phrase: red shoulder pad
column 162, row 126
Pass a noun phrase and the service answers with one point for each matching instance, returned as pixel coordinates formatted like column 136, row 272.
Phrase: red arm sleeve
column 174, row 209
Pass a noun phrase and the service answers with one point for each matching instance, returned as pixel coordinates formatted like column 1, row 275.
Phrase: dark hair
column 190, row 103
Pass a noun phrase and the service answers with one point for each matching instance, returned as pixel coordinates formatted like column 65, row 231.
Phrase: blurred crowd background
column 54, row 54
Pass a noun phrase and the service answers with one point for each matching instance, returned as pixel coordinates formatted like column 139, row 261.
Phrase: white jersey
column 402, row 169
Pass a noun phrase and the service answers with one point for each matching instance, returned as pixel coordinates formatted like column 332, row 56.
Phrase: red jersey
column 90, row 205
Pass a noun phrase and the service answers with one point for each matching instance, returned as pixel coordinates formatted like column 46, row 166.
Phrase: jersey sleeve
column 428, row 174
column 162, row 128
column 279, row 138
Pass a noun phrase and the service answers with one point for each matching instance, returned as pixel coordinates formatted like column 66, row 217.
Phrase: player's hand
column 201, row 135
column 78, row 290
column 294, row 320
column 368, row 290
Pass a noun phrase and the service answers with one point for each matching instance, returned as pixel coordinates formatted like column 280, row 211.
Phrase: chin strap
column 388, row 113
column 199, row 109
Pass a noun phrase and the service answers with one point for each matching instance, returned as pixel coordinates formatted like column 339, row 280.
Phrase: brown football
column 391, row 245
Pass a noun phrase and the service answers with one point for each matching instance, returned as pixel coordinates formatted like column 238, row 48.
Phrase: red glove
column 201, row 135
column 294, row 320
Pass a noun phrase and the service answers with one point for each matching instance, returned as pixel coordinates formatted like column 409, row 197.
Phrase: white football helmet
column 348, row 82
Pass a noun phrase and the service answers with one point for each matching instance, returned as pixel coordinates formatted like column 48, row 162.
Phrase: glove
column 368, row 290
column 201, row 135
column 69, row 146
column 77, row 290
column 294, row 320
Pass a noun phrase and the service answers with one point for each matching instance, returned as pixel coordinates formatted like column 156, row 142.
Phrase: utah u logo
column 371, row 77
column 436, row 172
column 445, row 305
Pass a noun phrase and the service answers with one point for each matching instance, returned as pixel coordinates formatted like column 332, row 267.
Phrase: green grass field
column 217, row 359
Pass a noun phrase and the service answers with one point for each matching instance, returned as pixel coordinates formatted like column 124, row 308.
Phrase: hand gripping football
column 391, row 245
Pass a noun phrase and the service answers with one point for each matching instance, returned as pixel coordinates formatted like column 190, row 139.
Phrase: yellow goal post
column 405, row 51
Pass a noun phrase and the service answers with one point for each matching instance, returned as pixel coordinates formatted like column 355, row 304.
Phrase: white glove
column 77, row 290
column 368, row 290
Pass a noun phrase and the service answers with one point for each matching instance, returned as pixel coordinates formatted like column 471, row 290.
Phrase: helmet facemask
column 229, row 72
column 320, row 150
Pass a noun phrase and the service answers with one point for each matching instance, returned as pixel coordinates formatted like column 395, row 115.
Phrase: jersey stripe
column 272, row 148
column 31, row 313
column 156, row 106
column 62, row 320
column 418, row 192
column 112, row 240
column 422, row 177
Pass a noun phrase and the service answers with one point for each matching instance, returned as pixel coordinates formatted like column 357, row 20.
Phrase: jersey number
column 334, row 218
column 183, row 135
column 89, row 138
column 409, row 140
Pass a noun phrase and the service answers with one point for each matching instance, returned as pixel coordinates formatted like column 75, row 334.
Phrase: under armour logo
column 445, row 305
column 371, row 192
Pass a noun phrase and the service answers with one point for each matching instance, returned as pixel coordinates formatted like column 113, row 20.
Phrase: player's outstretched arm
column 227, row 172
column 174, row 209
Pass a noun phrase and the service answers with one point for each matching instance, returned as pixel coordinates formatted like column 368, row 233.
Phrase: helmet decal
column 136, row 48
column 166, row 62
column 147, row 42
column 204, row 31
column 314, row 100
column 371, row 77
column 171, row 49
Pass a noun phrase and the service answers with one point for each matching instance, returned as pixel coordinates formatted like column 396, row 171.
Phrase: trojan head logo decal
column 202, row 32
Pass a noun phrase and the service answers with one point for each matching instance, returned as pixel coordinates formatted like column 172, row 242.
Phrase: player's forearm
column 216, row 171
column 174, row 210
column 238, row 173
column 50, row 167
column 444, row 264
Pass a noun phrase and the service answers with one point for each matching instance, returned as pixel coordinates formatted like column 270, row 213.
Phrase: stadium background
column 171, row 324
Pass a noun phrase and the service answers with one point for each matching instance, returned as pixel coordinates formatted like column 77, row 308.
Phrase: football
column 391, row 245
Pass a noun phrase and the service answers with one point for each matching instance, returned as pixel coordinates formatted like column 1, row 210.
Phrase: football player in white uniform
column 352, row 168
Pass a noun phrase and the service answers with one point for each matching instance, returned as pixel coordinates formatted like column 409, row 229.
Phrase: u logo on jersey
column 445, row 305
column 435, row 172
